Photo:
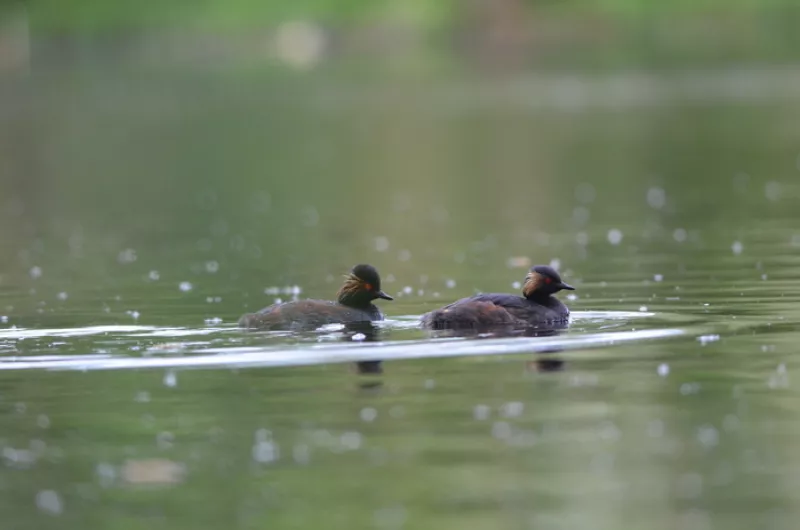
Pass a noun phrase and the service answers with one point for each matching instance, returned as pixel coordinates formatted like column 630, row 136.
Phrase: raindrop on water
column 705, row 339
column 49, row 502
column 772, row 190
column 585, row 193
column 35, row 272
column 656, row 198
column 185, row 286
column 126, row 256
column 368, row 414
column 614, row 236
column 663, row 369
column 501, row 430
column 350, row 440
column 481, row 412
column 511, row 409
column 381, row 244
column 737, row 247
column 170, row 379
column 708, row 435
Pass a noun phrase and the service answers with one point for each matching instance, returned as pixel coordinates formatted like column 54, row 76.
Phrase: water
column 142, row 215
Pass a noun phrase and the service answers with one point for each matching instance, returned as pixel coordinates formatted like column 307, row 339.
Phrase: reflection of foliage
column 98, row 14
column 101, row 14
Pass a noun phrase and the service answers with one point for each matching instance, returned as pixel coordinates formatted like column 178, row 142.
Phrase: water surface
column 142, row 215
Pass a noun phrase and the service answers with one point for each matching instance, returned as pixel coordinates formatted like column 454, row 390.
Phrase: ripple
column 231, row 357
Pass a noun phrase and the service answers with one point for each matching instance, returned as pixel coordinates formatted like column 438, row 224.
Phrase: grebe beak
column 381, row 294
column 566, row 286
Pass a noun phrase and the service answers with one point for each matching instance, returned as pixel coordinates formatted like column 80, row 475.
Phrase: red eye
column 548, row 280
column 368, row 286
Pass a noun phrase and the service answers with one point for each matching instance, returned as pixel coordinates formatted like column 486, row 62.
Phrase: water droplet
column 301, row 454
column 481, row 412
column 142, row 397
column 656, row 198
column 501, row 430
column 679, row 235
column 658, row 277
column 585, row 193
column 213, row 321
column 106, row 474
column 134, row 314
column 643, row 308
column 516, row 285
column 705, row 339
column 62, row 296
column 212, row 266
column 350, row 440
column 512, row 409
column 368, row 414
column 154, row 275
column 708, row 435
column 381, row 244
column 311, row 216
column 430, row 384
column 358, row 337
column 582, row 238
column 49, row 502
column 404, row 255
column 408, row 289
column 772, row 190
column 614, row 236
column 450, row 284
column 185, row 286
column 170, row 379
column 689, row 388
column 265, row 451
column 663, row 369
column 737, row 247
column 35, row 272
column 165, row 440
column 581, row 215
column 126, row 256
column 43, row 421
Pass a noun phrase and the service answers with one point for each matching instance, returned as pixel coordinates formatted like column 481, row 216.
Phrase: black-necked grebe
column 353, row 305
column 537, row 306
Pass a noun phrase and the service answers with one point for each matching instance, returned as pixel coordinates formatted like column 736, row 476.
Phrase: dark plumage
column 353, row 305
column 537, row 306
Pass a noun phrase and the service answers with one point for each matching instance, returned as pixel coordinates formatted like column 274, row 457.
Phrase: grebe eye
column 368, row 286
column 548, row 280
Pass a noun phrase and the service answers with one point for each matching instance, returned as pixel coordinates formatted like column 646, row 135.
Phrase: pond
column 143, row 214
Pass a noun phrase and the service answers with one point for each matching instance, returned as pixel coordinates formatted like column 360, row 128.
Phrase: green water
column 143, row 213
